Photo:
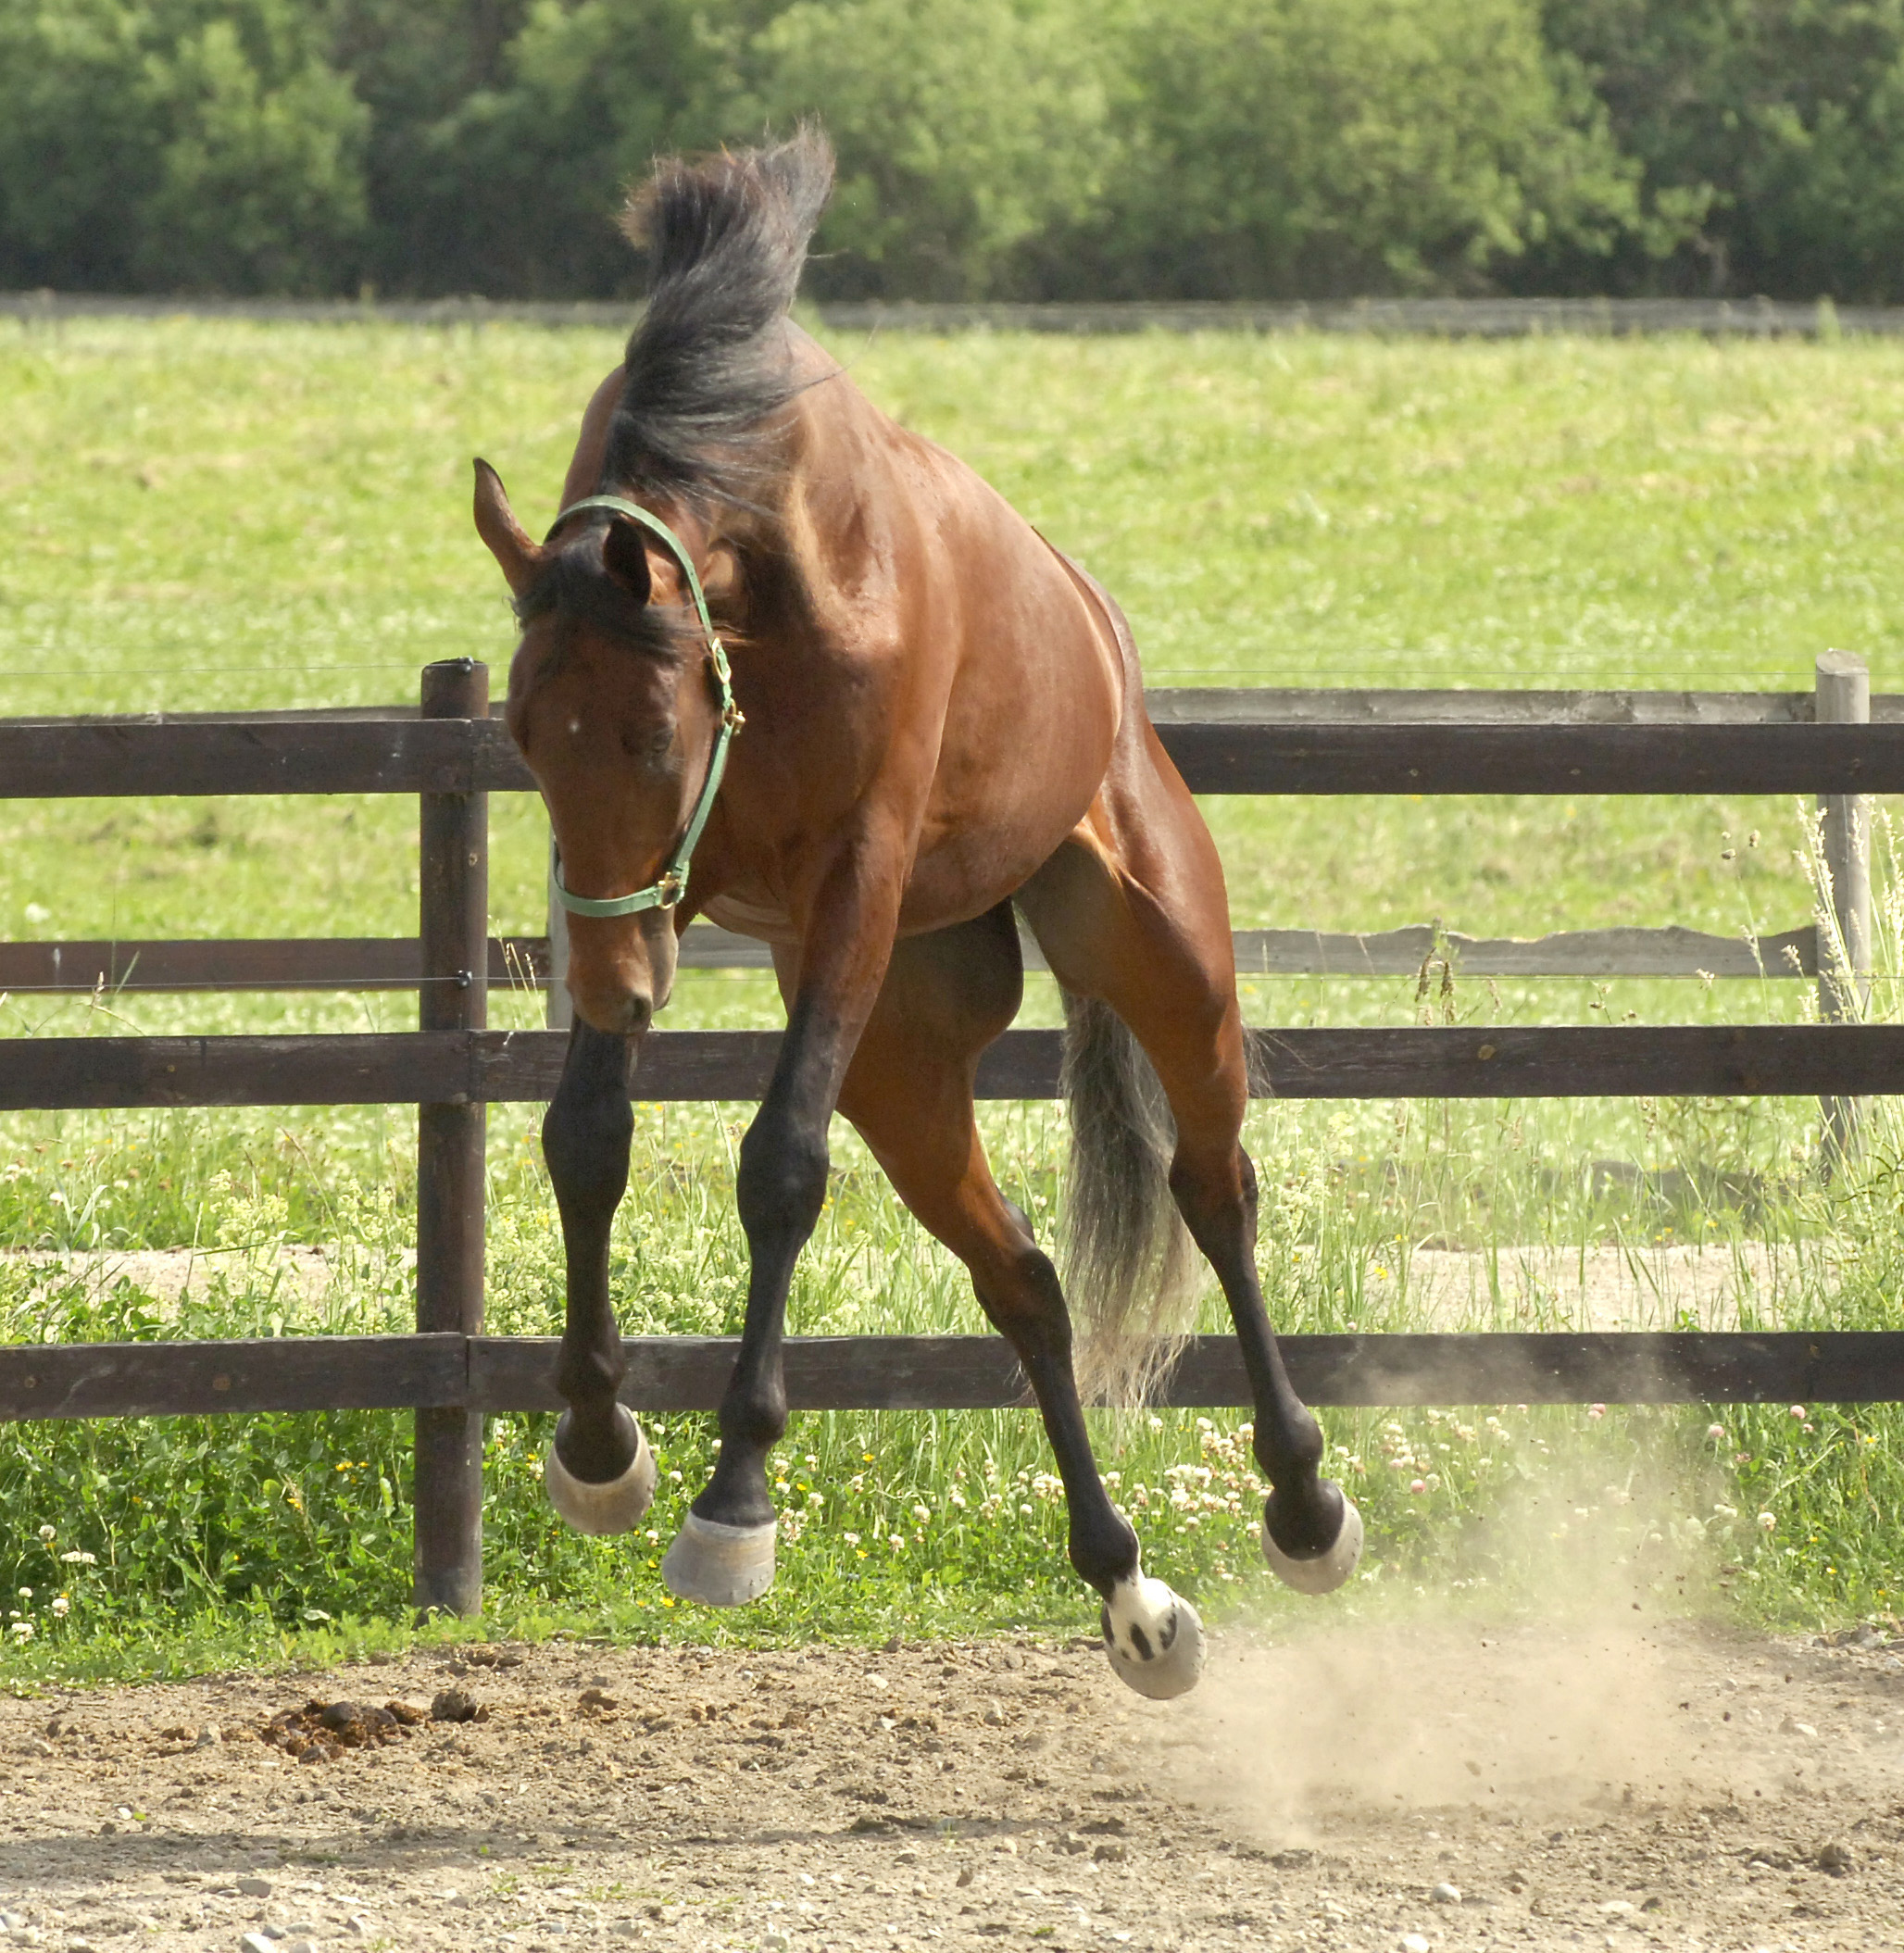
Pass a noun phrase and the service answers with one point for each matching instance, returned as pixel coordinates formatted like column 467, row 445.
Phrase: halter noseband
column 672, row 884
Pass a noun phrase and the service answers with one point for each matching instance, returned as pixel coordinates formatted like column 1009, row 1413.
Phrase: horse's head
column 619, row 702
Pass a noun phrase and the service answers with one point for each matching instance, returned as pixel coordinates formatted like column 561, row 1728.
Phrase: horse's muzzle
column 621, row 972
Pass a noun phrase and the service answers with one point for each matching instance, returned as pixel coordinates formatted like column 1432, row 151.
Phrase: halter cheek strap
column 672, row 884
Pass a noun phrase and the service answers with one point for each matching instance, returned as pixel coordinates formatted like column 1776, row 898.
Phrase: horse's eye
column 650, row 746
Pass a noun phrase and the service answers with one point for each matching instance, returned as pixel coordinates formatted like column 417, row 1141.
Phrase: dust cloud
column 1379, row 1717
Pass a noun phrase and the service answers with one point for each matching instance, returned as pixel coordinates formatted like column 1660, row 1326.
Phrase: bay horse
column 943, row 726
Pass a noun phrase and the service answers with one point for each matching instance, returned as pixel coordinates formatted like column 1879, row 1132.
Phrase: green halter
column 673, row 885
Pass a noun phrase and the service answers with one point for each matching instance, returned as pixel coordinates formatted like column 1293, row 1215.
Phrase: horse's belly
column 966, row 869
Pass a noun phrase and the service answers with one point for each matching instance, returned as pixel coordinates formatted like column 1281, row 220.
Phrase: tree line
column 1057, row 149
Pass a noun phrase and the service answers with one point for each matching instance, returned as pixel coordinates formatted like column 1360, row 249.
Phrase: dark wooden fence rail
column 451, row 754
column 452, row 1375
column 478, row 1067
column 142, row 759
column 371, row 963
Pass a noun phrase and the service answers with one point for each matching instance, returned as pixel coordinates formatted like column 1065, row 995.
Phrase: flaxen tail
column 1128, row 1258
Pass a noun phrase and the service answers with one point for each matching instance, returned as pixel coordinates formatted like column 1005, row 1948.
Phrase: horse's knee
column 781, row 1186
column 585, row 1140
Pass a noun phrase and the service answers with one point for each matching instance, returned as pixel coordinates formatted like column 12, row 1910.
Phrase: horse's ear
column 625, row 557
column 508, row 541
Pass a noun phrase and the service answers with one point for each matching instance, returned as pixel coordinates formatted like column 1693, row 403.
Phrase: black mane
column 710, row 363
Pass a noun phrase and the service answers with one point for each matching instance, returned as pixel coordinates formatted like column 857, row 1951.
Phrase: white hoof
column 1327, row 1570
column 1153, row 1637
column 718, row 1565
column 616, row 1506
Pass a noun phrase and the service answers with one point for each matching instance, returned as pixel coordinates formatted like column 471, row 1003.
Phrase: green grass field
column 222, row 515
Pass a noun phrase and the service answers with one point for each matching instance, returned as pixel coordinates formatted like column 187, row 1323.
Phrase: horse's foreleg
column 723, row 1554
column 599, row 1471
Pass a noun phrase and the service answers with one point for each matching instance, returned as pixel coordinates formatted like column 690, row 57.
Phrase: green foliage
column 1771, row 133
column 413, row 64
column 518, row 184
column 1039, row 148
column 965, row 128
column 175, row 143
column 1322, row 147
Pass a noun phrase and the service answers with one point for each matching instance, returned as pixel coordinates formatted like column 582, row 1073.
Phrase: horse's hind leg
column 1132, row 912
column 909, row 1092
column 599, row 1472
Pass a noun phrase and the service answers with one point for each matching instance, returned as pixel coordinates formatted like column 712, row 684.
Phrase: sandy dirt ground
column 1395, row 1786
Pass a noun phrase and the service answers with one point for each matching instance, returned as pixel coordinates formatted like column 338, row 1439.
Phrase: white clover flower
column 1716, row 1433
column 78, row 1560
column 60, row 1606
column 852, row 1539
column 22, row 1631
column 1766, row 1522
column 922, row 1513
column 26, row 1593
column 48, row 1534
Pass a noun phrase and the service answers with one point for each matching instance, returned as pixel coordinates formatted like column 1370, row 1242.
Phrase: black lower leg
column 780, row 1190
column 1304, row 1510
column 585, row 1139
column 1036, row 1323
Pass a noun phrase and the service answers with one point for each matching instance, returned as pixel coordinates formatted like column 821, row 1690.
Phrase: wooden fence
column 1837, row 743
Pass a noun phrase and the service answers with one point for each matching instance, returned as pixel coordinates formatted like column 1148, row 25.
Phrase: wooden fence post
column 1844, row 930
column 454, row 996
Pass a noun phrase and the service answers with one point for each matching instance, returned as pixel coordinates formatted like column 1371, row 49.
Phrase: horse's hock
column 453, row 753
